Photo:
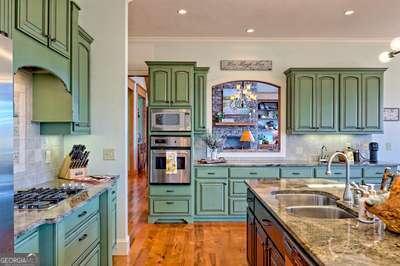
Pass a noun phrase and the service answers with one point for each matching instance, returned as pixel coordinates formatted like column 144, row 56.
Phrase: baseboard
column 122, row 247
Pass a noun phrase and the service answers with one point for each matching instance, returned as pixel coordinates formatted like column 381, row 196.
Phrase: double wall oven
column 170, row 160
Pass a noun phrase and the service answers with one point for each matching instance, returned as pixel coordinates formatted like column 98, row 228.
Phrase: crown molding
column 254, row 39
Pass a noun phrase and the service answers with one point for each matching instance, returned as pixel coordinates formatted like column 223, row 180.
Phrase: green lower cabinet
column 338, row 172
column 237, row 188
column 28, row 243
column 297, row 172
column 237, row 206
column 212, row 197
column 91, row 259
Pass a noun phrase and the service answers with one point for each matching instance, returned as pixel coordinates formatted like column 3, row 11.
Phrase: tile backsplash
column 31, row 166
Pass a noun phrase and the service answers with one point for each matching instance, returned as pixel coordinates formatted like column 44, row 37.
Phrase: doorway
column 137, row 162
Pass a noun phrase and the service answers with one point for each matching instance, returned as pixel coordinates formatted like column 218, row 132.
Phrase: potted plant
column 213, row 143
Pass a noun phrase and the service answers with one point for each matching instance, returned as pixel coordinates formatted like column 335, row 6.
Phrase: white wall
column 107, row 23
column 284, row 54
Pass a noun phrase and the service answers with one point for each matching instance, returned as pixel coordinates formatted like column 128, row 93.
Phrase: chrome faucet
column 347, row 195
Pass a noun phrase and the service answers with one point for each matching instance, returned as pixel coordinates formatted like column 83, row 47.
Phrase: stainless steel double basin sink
column 311, row 205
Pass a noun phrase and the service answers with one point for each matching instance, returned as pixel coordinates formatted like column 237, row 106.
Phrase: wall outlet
column 108, row 154
column 388, row 146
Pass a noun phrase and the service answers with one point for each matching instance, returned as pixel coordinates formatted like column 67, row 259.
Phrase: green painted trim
column 152, row 219
column 345, row 69
column 85, row 35
column 171, row 63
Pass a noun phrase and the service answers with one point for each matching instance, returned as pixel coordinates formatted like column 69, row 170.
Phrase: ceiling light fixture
column 349, row 12
column 250, row 30
column 182, row 11
column 386, row 57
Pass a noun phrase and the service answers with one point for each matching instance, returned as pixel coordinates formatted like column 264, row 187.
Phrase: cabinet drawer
column 28, row 244
column 181, row 190
column 166, row 206
column 297, row 172
column 375, row 171
column 237, row 188
column 91, row 259
column 373, row 180
column 212, row 172
column 80, row 215
column 79, row 242
column 338, row 172
column 255, row 172
column 237, row 206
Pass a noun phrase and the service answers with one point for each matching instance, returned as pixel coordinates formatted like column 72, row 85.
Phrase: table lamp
column 247, row 136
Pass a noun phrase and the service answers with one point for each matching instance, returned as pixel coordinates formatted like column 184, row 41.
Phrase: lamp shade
column 247, row 136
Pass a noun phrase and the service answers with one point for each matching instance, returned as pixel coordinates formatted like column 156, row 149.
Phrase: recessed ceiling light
column 182, row 11
column 250, row 30
column 349, row 12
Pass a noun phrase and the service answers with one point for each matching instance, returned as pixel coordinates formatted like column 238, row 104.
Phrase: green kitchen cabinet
column 350, row 102
column 334, row 100
column 361, row 106
column 212, row 197
column 28, row 243
column 81, row 82
column 200, row 99
column 171, row 84
column 33, row 19
column 160, row 86
column 59, row 26
column 46, row 21
column 6, row 17
column 108, row 224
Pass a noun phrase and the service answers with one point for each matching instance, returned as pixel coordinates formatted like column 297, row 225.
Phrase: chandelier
column 386, row 57
column 243, row 97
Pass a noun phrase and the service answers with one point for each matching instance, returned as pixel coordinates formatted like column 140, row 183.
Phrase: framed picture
column 391, row 114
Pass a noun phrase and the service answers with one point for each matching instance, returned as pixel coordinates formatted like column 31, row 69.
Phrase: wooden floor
column 179, row 244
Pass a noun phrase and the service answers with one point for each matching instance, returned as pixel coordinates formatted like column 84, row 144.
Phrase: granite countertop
column 26, row 220
column 330, row 241
column 281, row 162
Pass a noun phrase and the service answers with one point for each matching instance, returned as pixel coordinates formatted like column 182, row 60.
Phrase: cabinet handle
column 295, row 173
column 210, row 173
column 83, row 237
column 337, row 173
column 379, row 173
column 82, row 214
column 253, row 173
column 169, row 203
column 266, row 222
column 170, row 191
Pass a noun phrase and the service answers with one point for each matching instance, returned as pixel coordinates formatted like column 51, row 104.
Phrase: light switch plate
column 108, row 154
column 388, row 146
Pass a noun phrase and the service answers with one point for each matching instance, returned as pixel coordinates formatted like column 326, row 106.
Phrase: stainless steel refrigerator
column 6, row 147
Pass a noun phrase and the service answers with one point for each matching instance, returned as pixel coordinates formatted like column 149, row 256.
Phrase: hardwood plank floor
column 198, row 244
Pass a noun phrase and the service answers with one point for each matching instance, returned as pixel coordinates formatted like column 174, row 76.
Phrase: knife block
column 71, row 173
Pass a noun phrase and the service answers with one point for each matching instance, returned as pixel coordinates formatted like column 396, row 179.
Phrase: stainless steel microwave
column 171, row 119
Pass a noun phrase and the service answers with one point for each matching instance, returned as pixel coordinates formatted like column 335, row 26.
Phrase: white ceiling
column 270, row 18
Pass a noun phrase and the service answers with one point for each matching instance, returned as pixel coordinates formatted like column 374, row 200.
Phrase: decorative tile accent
column 30, row 167
column 246, row 65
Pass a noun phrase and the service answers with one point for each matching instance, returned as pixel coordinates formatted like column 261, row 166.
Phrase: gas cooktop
column 44, row 198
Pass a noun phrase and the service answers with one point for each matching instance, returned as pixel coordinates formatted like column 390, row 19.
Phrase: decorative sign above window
column 391, row 114
column 246, row 65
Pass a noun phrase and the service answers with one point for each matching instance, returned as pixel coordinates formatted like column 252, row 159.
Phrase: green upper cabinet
column 32, row 19
column 81, row 82
column 6, row 17
column 171, row 84
column 361, row 106
column 350, row 102
column 200, row 99
column 334, row 101
column 182, row 85
column 326, row 103
column 160, row 78
column 47, row 21
column 59, row 26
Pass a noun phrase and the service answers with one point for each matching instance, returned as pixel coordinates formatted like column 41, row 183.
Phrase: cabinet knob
column 83, row 237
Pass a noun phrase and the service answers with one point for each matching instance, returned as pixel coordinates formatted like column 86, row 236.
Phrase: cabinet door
column 32, row 19
column 304, row 98
column 275, row 258
column 250, row 237
column 211, row 197
column 200, row 102
column 350, row 102
column 81, row 88
column 182, row 86
column 59, row 26
column 6, row 17
column 372, row 102
column 326, row 105
column 261, row 248
column 160, row 86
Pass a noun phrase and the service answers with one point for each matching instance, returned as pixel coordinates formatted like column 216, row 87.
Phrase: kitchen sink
column 320, row 212
column 292, row 198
